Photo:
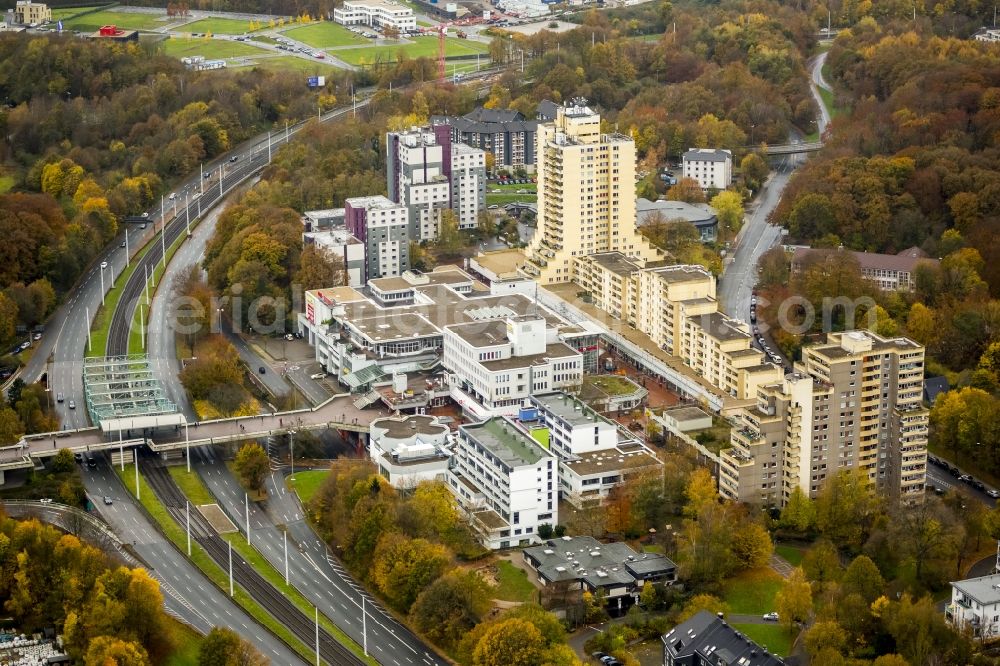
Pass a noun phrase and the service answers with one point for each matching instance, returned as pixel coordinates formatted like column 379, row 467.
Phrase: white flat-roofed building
column 409, row 449
column 505, row 481
column 468, row 184
column 376, row 14
column 975, row 606
column 496, row 366
column 712, row 168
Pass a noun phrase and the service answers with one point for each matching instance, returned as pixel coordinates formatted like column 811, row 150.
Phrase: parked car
column 993, row 493
column 318, row 375
column 771, row 617
column 36, row 336
column 966, row 478
column 979, row 485
column 46, row 500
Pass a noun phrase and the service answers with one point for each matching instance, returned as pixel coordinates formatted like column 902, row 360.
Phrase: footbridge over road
column 337, row 413
column 792, row 148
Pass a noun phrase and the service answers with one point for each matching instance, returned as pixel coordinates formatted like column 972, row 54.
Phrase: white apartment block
column 595, row 454
column 853, row 402
column 410, row 449
column 712, row 168
column 339, row 243
column 376, row 14
column 975, row 606
column 506, row 482
column 586, row 196
column 496, row 366
column 468, row 184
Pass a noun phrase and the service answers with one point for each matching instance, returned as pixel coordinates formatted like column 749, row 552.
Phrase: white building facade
column 376, row 14
column 505, row 481
column 712, row 168
column 975, row 606
column 409, row 449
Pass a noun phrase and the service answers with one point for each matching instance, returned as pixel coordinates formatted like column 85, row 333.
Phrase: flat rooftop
column 501, row 263
column 612, row 460
column 407, row 426
column 411, row 279
column 616, row 262
column 682, row 414
column 504, row 440
column 682, row 273
column 611, row 385
column 557, row 350
column 569, row 409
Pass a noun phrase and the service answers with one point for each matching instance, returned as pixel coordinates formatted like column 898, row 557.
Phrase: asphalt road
column 943, row 479
column 206, row 601
column 816, row 71
column 321, row 580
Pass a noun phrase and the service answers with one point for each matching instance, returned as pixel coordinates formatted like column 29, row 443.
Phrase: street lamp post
column 102, row 285
column 291, row 456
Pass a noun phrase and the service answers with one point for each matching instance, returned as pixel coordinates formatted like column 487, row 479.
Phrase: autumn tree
column 108, row 651
column 252, row 466
column 687, row 190
column 319, row 269
column 450, row 607
column 794, row 599
column 224, row 647
column 402, row 567
column 728, row 207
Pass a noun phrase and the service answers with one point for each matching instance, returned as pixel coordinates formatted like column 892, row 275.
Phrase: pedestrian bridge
column 792, row 148
column 337, row 413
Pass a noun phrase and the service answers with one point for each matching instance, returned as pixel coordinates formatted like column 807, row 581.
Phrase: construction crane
column 442, row 31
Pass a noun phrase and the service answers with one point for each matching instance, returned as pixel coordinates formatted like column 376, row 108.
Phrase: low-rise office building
column 890, row 272
column 585, row 564
column 505, row 481
column 31, row 13
column 378, row 14
column 337, row 242
column 702, row 216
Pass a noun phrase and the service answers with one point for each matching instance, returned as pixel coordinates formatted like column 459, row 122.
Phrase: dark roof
column 484, row 115
column 935, row 386
column 708, row 155
column 707, row 638
column 465, row 124
column 906, row 261
column 546, row 110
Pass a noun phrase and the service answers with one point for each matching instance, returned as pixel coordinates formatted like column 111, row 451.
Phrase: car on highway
column 104, row 264
column 108, row 501
column 123, row 244
column 173, row 195
column 145, row 214
column 234, row 158
column 46, row 500
column 72, row 404
column 995, row 494
column 771, row 617
column 142, row 226
column 59, row 397
column 261, row 370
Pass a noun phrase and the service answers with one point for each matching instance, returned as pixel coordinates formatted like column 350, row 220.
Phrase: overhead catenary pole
column 145, row 273
column 220, row 181
column 316, row 611
column 246, row 508
column 89, row 341
column 163, row 235
column 102, row 285
column 364, row 625
column 268, row 146
column 142, row 328
column 135, row 457
column 187, row 511
column 187, row 447
column 126, row 249
column 201, row 178
column 230, row 568
column 284, row 540
column 121, row 450
column 187, row 214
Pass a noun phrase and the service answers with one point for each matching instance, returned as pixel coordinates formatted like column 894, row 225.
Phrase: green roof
column 612, row 385
column 506, row 441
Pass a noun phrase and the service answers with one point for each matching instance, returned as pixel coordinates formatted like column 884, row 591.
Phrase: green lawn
column 217, row 26
column 790, row 553
column 187, row 643
column 294, row 64
column 611, row 384
column 514, row 583
column 501, row 199
column 828, row 101
column 532, row 188
column 68, row 12
column 127, row 20
column 774, row 637
column 307, row 483
column 324, row 34
column 6, row 182
column 752, row 592
column 420, row 47
column 211, row 49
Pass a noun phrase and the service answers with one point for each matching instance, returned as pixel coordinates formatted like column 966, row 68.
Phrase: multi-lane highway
column 318, row 576
column 208, row 605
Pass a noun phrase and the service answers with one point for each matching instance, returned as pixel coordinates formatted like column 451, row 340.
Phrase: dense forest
column 97, row 131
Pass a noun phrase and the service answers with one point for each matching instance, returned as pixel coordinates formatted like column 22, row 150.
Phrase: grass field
column 66, row 12
column 420, row 47
column 324, row 34
column 127, row 20
column 217, row 26
column 828, row 101
column 307, row 483
column 501, row 199
column 752, row 592
column 187, row 643
column 774, row 637
column 291, row 63
column 514, row 583
column 792, row 554
column 6, row 182
column 211, row 49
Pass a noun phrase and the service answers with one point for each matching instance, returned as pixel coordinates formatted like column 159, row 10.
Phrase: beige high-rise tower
column 586, row 196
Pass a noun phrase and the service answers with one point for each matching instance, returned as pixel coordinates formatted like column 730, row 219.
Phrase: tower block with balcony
column 586, row 196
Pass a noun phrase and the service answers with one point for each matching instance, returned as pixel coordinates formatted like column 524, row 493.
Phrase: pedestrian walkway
column 782, row 566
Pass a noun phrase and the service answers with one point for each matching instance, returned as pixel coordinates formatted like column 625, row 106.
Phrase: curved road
column 817, row 82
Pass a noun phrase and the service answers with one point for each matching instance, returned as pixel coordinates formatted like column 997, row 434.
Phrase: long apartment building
column 586, row 196
column 427, row 172
column 853, row 402
column 676, row 307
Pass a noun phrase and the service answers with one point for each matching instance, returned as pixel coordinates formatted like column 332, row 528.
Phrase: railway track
column 265, row 594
